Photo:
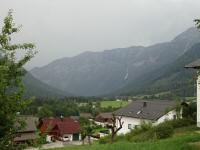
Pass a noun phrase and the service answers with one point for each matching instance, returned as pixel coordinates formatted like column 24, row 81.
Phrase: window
column 174, row 117
column 129, row 126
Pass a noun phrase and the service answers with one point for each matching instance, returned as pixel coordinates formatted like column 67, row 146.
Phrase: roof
column 75, row 117
column 86, row 115
column 105, row 115
column 65, row 125
column 25, row 137
column 150, row 110
column 68, row 127
column 195, row 64
column 30, row 123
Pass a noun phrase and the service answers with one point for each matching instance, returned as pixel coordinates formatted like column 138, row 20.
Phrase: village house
column 139, row 111
column 63, row 129
column 196, row 65
column 82, row 115
column 29, row 132
column 103, row 119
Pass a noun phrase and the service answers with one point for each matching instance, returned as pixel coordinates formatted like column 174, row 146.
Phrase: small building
column 196, row 65
column 63, row 129
column 29, row 132
column 104, row 119
column 140, row 111
column 86, row 115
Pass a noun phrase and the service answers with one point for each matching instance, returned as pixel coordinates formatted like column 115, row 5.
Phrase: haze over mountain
column 173, row 78
column 99, row 73
column 35, row 87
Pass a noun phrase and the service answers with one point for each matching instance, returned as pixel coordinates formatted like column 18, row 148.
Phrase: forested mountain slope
column 99, row 73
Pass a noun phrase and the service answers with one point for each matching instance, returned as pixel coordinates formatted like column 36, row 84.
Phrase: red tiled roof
column 64, row 126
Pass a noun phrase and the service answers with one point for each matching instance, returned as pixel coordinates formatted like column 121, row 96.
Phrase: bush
column 103, row 141
column 181, row 122
column 163, row 130
column 139, row 130
column 145, row 136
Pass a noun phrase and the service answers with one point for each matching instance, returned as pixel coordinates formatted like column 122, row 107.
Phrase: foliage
column 87, row 129
column 11, row 87
column 45, row 111
column 141, row 129
column 190, row 111
column 163, row 131
column 69, row 106
column 181, row 122
column 41, row 139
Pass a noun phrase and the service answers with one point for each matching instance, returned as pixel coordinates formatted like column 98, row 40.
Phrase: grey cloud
column 64, row 28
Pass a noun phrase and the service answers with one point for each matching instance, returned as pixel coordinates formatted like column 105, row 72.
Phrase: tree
column 45, row 111
column 197, row 22
column 87, row 129
column 114, row 127
column 11, row 86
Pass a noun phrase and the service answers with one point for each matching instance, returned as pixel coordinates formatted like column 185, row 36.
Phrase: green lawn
column 185, row 138
column 114, row 104
column 183, row 142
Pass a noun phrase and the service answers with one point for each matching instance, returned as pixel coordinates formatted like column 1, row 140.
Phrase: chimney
column 61, row 117
column 144, row 104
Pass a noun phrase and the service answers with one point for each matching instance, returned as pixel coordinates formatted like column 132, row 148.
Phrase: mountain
column 34, row 87
column 98, row 73
column 173, row 78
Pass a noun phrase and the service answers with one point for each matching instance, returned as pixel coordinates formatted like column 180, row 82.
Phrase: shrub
column 103, row 141
column 143, row 128
column 181, row 122
column 145, row 136
column 163, row 130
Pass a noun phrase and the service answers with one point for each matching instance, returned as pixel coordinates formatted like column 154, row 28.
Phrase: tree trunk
column 89, row 140
column 112, row 137
column 83, row 141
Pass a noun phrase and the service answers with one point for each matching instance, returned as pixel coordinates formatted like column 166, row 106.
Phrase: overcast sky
column 64, row 28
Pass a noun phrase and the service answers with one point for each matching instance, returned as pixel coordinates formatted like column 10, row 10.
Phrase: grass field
column 114, row 104
column 185, row 138
column 183, row 142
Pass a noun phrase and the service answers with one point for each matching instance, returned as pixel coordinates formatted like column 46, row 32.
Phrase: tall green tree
column 11, row 86
column 87, row 129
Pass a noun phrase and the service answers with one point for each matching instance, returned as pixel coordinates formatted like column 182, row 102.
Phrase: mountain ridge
column 97, row 73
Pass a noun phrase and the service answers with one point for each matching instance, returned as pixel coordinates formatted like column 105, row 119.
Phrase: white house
column 139, row 111
column 196, row 65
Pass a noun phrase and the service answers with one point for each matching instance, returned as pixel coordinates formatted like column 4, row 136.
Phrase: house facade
column 196, row 65
column 139, row 112
column 29, row 132
column 63, row 129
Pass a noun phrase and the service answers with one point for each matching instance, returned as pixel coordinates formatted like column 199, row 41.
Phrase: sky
column 65, row 28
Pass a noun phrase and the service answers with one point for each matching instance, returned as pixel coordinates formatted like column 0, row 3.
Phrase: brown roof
column 30, row 123
column 25, row 136
column 150, row 110
column 195, row 64
column 64, row 126
column 105, row 115
column 86, row 115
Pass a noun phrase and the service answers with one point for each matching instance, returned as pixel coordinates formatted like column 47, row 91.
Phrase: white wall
column 198, row 101
column 168, row 116
column 132, row 121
